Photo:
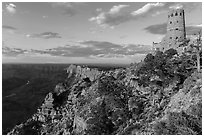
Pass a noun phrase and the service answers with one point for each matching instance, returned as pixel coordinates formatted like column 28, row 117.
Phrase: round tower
column 176, row 25
column 175, row 29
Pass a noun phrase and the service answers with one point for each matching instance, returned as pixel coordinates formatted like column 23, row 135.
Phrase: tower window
column 170, row 22
column 180, row 14
column 172, row 15
column 176, row 28
column 168, row 16
column 170, row 37
column 177, row 21
column 176, row 37
column 176, row 14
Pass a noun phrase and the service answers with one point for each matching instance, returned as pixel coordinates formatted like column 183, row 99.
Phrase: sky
column 87, row 32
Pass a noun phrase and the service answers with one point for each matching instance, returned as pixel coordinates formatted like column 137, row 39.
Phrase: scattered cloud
column 193, row 29
column 85, row 49
column 157, row 29
column 120, row 13
column 150, row 8
column 161, row 29
column 99, row 9
column 117, row 9
column 44, row 17
column 8, row 27
column 99, row 49
column 177, row 6
column 44, row 35
column 101, row 44
column 187, row 6
column 11, row 8
column 66, row 8
column 123, row 36
column 95, row 30
column 114, row 16
column 12, row 51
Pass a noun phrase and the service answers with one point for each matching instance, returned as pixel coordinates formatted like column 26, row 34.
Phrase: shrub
column 178, row 124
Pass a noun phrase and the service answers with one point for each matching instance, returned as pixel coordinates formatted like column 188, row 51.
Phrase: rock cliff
column 115, row 102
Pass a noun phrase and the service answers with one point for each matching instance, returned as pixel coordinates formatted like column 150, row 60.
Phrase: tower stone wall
column 176, row 32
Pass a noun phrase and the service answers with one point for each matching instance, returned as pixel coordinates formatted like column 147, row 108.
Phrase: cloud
column 132, row 49
column 12, row 51
column 99, row 49
column 123, row 36
column 66, row 8
column 44, row 35
column 85, row 49
column 11, row 8
column 193, row 29
column 101, row 44
column 117, row 9
column 187, row 6
column 149, row 8
column 98, row 9
column 8, row 27
column 161, row 29
column 121, row 13
column 44, row 17
column 114, row 16
column 157, row 29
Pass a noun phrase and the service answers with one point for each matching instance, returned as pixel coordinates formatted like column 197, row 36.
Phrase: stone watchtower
column 176, row 32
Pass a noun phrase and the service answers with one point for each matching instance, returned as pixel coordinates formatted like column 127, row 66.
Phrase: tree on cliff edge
column 196, row 50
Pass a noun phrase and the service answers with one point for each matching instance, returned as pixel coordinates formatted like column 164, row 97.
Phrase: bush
column 170, row 53
column 178, row 124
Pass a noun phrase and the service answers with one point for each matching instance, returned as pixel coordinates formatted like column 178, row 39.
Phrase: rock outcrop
column 83, row 72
